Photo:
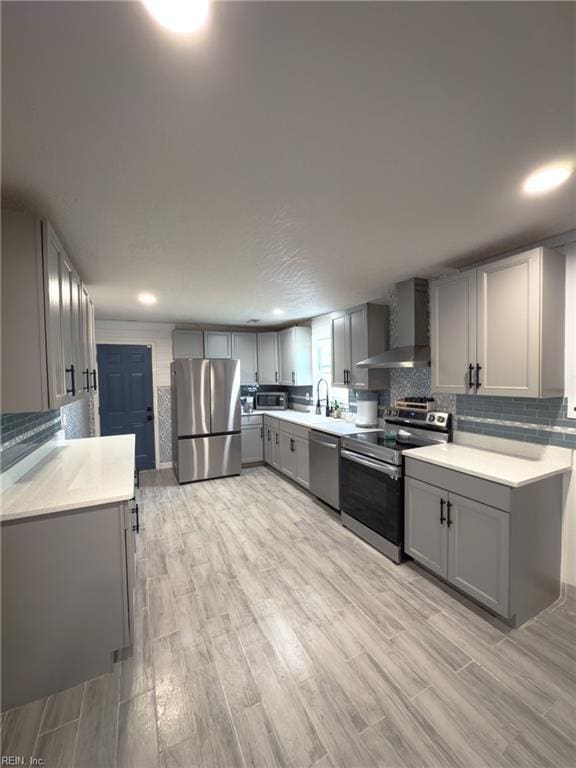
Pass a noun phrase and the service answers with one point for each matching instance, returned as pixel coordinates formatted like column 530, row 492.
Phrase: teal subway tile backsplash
column 22, row 433
column 520, row 418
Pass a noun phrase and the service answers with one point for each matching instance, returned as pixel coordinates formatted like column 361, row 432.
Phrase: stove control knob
column 431, row 417
column 440, row 419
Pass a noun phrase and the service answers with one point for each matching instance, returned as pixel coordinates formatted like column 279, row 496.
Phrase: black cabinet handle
column 276, row 438
column 345, row 376
column 268, row 438
column 292, row 445
column 150, row 417
column 442, row 518
column 86, row 373
column 256, row 376
column 276, row 377
column 478, row 369
column 135, row 511
column 293, row 377
column 94, row 382
column 470, row 379
column 261, row 433
column 71, row 371
column 449, row 520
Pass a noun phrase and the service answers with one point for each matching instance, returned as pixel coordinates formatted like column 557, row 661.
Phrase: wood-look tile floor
column 268, row 635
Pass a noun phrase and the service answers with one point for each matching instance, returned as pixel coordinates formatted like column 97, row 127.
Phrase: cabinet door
column 269, row 437
column 479, row 552
column 87, row 343
column 76, row 329
column 302, row 346
column 425, row 529
column 217, row 344
column 276, row 449
column 358, row 347
column 453, row 333
column 244, row 348
column 302, row 461
column 268, row 358
column 252, row 447
column 66, row 324
column 340, row 350
column 288, row 454
column 286, row 357
column 187, row 343
column 508, row 326
column 54, row 309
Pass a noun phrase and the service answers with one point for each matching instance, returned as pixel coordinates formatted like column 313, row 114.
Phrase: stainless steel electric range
column 372, row 474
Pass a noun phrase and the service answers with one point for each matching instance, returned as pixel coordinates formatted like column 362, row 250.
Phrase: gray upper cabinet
column 218, row 344
column 46, row 338
column 499, row 329
column 357, row 334
column 268, row 358
column 245, row 349
column 453, row 332
column 187, row 343
column 340, row 350
column 295, row 356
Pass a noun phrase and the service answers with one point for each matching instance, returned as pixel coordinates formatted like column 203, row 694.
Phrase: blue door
column 126, row 401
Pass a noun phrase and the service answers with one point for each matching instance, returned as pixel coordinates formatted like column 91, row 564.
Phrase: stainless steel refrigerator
column 205, row 418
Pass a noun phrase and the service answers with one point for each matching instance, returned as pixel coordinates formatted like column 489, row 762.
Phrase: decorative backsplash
column 518, row 418
column 22, row 433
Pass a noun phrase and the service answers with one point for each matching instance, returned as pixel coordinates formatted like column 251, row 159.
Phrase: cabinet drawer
column 249, row 421
column 270, row 423
column 493, row 494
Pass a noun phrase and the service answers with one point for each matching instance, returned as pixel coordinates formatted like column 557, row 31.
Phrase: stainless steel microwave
column 270, row 401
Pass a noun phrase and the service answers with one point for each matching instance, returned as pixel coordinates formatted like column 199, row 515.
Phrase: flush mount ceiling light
column 181, row 16
column 277, row 311
column 547, row 178
column 147, row 298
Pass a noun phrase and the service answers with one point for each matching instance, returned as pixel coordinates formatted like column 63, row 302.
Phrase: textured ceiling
column 300, row 155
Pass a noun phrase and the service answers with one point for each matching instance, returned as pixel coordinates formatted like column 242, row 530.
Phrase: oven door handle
column 394, row 472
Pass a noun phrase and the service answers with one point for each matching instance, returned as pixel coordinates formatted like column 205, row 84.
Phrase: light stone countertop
column 313, row 421
column 76, row 474
column 508, row 466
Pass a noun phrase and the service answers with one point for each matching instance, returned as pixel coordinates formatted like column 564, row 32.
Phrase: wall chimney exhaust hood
column 413, row 350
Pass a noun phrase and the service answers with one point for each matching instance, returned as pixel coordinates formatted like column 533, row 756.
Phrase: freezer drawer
column 202, row 458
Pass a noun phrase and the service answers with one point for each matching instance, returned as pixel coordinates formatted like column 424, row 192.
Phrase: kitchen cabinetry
column 252, row 439
column 245, row 349
column 295, row 356
column 286, row 449
column 187, row 343
column 359, row 333
column 497, row 544
column 217, row 344
column 65, row 615
column 47, row 320
column 271, row 442
column 268, row 358
column 499, row 329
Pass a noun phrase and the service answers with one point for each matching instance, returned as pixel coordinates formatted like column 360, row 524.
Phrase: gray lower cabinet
column 479, row 551
column 286, row 449
column 252, row 440
column 504, row 554
column 425, row 536
column 67, row 582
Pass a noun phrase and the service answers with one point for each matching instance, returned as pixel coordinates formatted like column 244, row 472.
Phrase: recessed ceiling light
column 147, row 298
column 182, row 16
column 277, row 311
column 547, row 178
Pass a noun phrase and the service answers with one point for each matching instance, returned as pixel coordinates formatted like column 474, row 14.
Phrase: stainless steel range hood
column 413, row 350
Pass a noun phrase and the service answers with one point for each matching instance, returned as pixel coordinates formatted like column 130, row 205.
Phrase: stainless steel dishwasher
column 325, row 467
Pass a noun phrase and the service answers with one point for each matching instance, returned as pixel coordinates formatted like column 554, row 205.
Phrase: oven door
column 373, row 494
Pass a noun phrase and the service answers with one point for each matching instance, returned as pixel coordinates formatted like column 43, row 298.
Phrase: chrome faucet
column 318, row 401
